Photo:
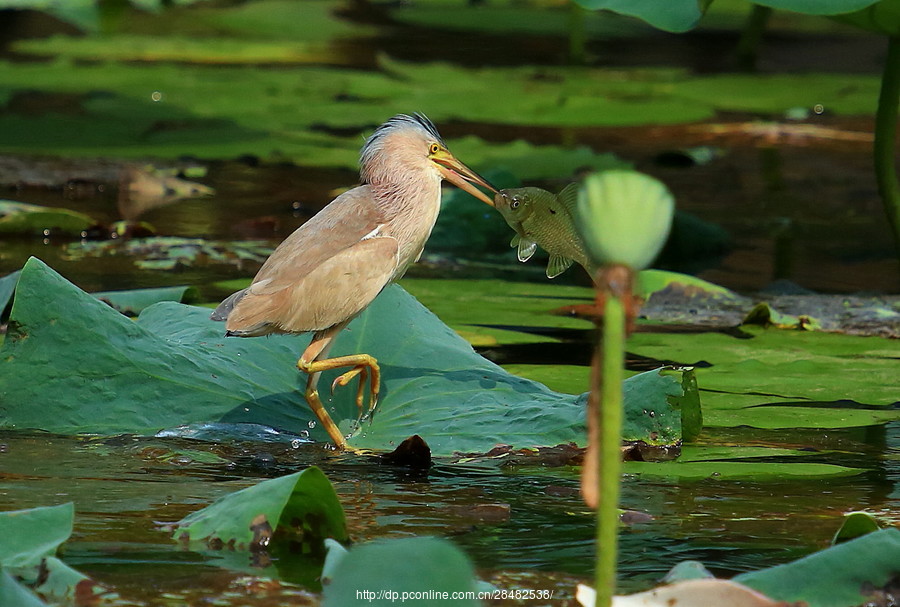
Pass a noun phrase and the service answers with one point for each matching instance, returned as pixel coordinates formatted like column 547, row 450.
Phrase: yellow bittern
column 325, row 273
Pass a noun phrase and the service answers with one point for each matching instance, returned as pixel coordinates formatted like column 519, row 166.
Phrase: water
column 806, row 212
column 523, row 526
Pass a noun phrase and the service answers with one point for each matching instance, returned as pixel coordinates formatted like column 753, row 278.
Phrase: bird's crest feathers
column 375, row 141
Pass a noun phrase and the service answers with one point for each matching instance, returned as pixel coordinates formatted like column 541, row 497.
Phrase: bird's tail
column 224, row 309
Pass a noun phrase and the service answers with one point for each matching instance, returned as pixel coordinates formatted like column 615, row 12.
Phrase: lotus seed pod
column 624, row 217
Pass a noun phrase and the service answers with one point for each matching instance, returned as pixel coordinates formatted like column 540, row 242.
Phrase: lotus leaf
column 856, row 524
column 14, row 593
column 412, row 568
column 7, row 287
column 32, row 219
column 30, row 538
column 835, row 577
column 174, row 366
column 882, row 17
column 30, row 535
column 133, row 301
column 301, row 507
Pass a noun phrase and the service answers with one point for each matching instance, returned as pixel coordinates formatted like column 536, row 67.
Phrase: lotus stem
column 609, row 423
column 885, row 138
column 577, row 34
column 751, row 36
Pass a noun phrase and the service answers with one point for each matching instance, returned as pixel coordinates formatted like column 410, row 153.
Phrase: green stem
column 577, row 34
column 609, row 453
column 751, row 37
column 885, row 138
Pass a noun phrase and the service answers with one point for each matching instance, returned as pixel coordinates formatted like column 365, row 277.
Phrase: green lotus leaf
column 32, row 219
column 856, row 524
column 30, row 535
column 132, row 302
column 882, row 17
column 28, row 541
column 835, row 577
column 740, row 470
column 14, row 593
column 419, row 570
column 301, row 507
column 174, row 367
column 672, row 16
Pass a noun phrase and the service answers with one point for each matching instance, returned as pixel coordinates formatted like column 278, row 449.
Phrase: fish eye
column 515, row 203
column 434, row 149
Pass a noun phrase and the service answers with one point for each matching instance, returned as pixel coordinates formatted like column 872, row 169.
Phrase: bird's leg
column 313, row 361
column 319, row 346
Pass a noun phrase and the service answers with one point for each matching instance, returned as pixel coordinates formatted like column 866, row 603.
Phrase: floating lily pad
column 171, row 252
column 654, row 281
column 133, row 301
column 130, row 47
column 36, row 220
column 174, row 366
column 724, row 471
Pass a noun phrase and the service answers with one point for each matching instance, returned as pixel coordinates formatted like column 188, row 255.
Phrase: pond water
column 798, row 204
column 523, row 526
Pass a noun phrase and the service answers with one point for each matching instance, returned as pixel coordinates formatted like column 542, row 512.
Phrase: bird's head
column 405, row 147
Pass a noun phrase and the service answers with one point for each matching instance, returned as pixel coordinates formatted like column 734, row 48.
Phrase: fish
column 542, row 218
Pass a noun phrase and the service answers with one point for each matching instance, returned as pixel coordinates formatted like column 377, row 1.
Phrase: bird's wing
column 335, row 291
column 324, row 273
column 342, row 223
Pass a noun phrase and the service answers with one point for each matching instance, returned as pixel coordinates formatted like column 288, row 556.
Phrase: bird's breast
column 412, row 225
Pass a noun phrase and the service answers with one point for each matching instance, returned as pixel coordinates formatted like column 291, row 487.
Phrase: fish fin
column 558, row 264
column 526, row 249
column 568, row 197
column 514, row 243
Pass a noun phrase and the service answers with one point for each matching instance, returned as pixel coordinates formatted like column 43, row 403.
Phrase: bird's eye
column 434, row 149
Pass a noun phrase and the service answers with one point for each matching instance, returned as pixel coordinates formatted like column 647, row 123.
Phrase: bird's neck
column 409, row 197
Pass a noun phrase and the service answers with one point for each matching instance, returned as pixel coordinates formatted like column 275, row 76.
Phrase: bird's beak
column 462, row 176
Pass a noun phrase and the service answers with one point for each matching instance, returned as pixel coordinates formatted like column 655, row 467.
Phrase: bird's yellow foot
column 362, row 371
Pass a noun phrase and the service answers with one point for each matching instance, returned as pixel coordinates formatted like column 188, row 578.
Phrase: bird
column 333, row 266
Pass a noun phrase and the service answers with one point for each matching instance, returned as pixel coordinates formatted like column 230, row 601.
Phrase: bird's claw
column 345, row 378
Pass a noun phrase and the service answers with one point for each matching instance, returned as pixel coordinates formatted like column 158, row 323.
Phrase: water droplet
column 295, row 444
column 311, row 424
column 156, row 96
column 304, row 434
column 818, row 108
